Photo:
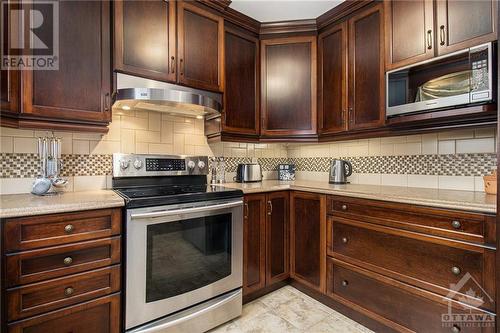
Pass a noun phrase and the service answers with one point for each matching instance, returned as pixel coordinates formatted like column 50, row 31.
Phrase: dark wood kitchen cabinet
column 200, row 42
column 409, row 32
column 462, row 24
column 81, row 89
column 9, row 79
column 288, row 87
column 266, row 240
column 241, row 72
column 254, row 243
column 332, row 92
column 366, row 69
column 145, row 40
column 308, row 239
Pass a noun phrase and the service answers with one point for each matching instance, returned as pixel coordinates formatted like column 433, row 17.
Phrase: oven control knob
column 191, row 165
column 124, row 164
column 201, row 165
column 137, row 164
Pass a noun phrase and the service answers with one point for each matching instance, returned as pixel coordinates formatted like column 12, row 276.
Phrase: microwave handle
column 164, row 213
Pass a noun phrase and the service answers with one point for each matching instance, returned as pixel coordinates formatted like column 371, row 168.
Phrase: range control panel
column 140, row 165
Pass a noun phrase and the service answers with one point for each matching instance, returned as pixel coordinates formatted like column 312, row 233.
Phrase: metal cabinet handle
column 342, row 117
column 181, row 62
column 245, row 215
column 270, row 204
column 456, row 270
column 69, row 228
column 69, row 291
column 429, row 39
column 106, row 102
column 345, row 240
column 442, row 35
column 172, row 64
column 351, row 115
column 68, row 261
column 345, row 283
column 456, row 224
column 344, row 207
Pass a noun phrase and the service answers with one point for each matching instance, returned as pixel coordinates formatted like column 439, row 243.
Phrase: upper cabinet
column 288, row 91
column 409, row 31
column 421, row 29
column 366, row 69
column 463, row 24
column 145, row 39
column 81, row 89
column 241, row 97
column 200, row 42
column 9, row 79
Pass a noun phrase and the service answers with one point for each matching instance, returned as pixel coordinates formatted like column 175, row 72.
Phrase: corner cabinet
column 288, row 88
column 308, row 239
column 145, row 41
column 200, row 42
column 77, row 96
column 241, row 97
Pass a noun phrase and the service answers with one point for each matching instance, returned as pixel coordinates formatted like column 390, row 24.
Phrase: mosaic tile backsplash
column 26, row 165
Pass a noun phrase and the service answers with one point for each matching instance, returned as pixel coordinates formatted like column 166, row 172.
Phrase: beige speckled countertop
column 463, row 200
column 14, row 205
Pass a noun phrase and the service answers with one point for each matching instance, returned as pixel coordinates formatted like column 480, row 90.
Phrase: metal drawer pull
column 345, row 283
column 345, row 240
column 344, row 207
column 69, row 228
column 246, row 211
column 455, row 329
column 456, row 270
column 456, row 224
column 429, row 39
column 270, row 211
column 69, row 291
column 442, row 34
column 68, row 261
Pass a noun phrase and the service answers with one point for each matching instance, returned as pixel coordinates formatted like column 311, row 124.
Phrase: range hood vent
column 139, row 94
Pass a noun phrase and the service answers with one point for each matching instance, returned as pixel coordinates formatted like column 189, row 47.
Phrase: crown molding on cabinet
column 284, row 27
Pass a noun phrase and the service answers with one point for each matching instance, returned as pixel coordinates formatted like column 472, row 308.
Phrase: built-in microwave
column 457, row 79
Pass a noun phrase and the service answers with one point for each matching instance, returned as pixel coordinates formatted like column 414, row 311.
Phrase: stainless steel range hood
column 139, row 94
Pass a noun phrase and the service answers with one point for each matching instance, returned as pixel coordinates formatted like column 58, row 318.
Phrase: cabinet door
column 145, row 38
column 366, row 69
column 241, row 110
column 254, row 243
column 98, row 316
column 9, row 79
column 308, row 239
column 277, row 237
column 409, row 32
column 200, row 41
column 332, row 97
column 81, row 89
column 462, row 24
column 288, row 74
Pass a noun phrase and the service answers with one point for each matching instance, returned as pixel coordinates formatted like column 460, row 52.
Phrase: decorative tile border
column 27, row 166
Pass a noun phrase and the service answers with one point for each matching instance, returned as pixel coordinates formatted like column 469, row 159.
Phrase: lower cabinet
column 266, row 240
column 308, row 239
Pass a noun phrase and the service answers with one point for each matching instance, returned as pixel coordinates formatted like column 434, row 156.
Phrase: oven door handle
column 164, row 213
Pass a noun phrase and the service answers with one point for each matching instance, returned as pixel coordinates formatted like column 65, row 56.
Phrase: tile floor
column 288, row 310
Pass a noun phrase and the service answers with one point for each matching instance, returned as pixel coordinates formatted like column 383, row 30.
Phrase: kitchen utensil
column 41, row 185
column 248, row 172
column 490, row 183
column 339, row 171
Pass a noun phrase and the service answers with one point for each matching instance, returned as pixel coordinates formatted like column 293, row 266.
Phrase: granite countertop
column 452, row 199
column 15, row 205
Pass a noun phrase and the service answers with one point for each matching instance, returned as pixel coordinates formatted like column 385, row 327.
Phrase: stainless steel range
column 183, row 244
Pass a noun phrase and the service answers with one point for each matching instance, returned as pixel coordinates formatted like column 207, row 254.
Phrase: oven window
column 186, row 255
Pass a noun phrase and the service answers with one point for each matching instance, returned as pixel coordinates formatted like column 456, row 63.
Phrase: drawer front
column 34, row 299
column 38, row 265
column 56, row 229
column 399, row 306
column 99, row 316
column 458, row 225
column 424, row 261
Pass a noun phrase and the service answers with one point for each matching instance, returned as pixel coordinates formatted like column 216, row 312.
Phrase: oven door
column 181, row 255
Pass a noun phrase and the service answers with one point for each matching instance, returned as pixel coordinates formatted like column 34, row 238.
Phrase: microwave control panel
column 479, row 70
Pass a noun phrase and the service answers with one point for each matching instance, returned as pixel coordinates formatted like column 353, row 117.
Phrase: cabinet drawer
column 49, row 230
column 458, row 225
column 400, row 306
column 34, row 299
column 428, row 262
column 98, row 316
column 38, row 265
